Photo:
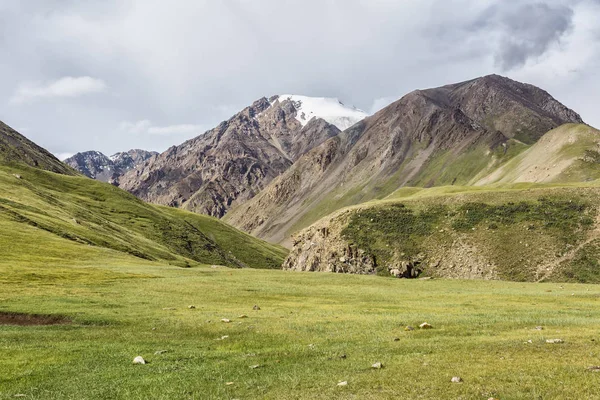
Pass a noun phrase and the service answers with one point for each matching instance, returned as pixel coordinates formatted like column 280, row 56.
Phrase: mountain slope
column 96, row 165
column 232, row 162
column 76, row 218
column 14, row 147
column 433, row 137
column 570, row 153
column 543, row 233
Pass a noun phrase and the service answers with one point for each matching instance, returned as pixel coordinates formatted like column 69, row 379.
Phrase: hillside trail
column 546, row 270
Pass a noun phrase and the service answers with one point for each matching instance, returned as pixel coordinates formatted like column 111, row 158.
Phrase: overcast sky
column 111, row 75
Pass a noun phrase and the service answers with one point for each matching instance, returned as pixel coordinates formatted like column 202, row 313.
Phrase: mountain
column 14, row 147
column 232, row 162
column 96, row 165
column 442, row 136
column 45, row 216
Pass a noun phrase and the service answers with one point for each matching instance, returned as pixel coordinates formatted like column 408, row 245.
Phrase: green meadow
column 313, row 330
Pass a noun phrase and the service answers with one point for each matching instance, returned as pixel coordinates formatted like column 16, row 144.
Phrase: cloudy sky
column 111, row 75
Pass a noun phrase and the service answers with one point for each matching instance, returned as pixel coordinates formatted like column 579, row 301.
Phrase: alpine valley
column 438, row 183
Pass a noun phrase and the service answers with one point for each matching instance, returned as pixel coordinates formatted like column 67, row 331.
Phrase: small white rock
column 554, row 341
column 456, row 379
column 139, row 360
column 225, row 320
column 425, row 325
column 343, row 383
column 377, row 365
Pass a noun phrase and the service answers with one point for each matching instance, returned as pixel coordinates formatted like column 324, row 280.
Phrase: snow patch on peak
column 330, row 109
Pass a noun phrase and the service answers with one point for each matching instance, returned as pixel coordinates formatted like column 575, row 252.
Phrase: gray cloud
column 188, row 64
column 524, row 30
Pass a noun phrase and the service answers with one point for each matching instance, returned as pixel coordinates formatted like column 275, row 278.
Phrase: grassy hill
column 523, row 232
column 47, row 217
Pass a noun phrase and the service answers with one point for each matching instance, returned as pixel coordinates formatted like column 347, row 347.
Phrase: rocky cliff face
column 231, row 163
column 430, row 137
column 14, row 147
column 96, row 165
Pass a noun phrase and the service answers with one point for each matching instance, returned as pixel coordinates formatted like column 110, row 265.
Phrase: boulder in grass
column 425, row 325
column 139, row 360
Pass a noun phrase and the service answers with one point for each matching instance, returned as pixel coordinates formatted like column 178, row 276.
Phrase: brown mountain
column 232, row 162
column 16, row 148
column 448, row 135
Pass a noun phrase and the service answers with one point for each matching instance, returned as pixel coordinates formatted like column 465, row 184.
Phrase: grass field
column 122, row 308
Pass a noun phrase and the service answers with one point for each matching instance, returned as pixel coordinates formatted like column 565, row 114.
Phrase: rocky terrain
column 450, row 135
column 96, row 165
column 14, row 147
column 231, row 163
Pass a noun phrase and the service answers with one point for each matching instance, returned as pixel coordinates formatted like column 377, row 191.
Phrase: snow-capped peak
column 330, row 109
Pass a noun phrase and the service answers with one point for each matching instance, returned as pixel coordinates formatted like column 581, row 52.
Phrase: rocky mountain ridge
column 229, row 164
column 96, row 165
column 441, row 136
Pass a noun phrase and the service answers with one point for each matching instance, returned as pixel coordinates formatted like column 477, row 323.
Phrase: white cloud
column 67, row 86
column 63, row 156
column 146, row 127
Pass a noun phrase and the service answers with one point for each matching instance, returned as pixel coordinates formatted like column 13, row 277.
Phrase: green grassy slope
column 569, row 153
column 46, row 217
column 306, row 323
column 523, row 232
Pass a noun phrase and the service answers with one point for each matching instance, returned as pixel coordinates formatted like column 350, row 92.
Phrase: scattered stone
column 225, row 320
column 529, row 341
column 425, row 325
column 243, row 316
column 595, row 368
column 343, row 356
column 343, row 383
column 256, row 308
column 343, row 259
column 159, row 352
column 18, row 177
column 426, row 278
column 377, row 365
column 255, row 366
column 191, row 307
column 223, row 337
column 396, row 339
column 139, row 360
column 229, row 383
column 456, row 379
column 554, row 341
column 539, row 328
column 169, row 308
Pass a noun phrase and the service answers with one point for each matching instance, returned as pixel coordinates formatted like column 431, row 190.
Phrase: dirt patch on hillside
column 11, row 318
